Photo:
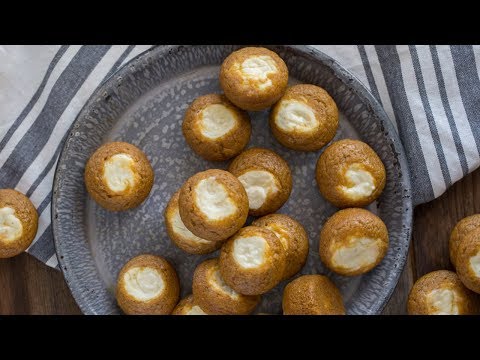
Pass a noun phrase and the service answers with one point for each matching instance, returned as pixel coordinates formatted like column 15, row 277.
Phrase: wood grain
column 30, row 287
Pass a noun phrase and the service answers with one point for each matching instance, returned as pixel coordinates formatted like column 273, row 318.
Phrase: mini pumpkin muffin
column 293, row 238
column 312, row 295
column 266, row 177
column 187, row 306
column 118, row 176
column 181, row 236
column 147, row 284
column 468, row 260
column 441, row 293
column 350, row 174
column 305, row 118
column 253, row 261
column 215, row 128
column 213, row 204
column 18, row 222
column 214, row 296
column 253, row 78
column 353, row 241
column 462, row 228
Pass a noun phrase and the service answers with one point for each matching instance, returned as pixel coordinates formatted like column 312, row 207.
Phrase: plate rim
column 312, row 52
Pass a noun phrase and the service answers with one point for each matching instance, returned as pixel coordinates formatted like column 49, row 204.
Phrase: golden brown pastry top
column 462, row 228
column 118, row 176
column 350, row 174
column 253, row 78
column 18, row 222
column 441, row 292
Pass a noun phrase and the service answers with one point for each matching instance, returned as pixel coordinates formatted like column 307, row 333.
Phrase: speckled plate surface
column 144, row 104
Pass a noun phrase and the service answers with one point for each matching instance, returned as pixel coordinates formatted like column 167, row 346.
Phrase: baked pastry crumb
column 215, row 128
column 468, row 260
column 253, row 261
column 305, row 118
column 350, row 174
column 118, row 176
column 187, row 306
column 441, row 293
column 213, row 204
column 181, row 236
column 353, row 241
column 461, row 229
column 215, row 297
column 312, row 295
column 18, row 223
column 147, row 284
column 266, row 178
column 253, row 78
column 293, row 237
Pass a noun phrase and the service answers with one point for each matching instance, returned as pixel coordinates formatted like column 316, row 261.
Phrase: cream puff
column 181, row 236
column 18, row 223
column 215, row 297
column 213, row 204
column 462, row 228
column 305, row 118
column 350, row 174
column 253, row 261
column 253, row 78
column 187, row 306
column 147, row 284
column 312, row 295
column 266, row 177
column 468, row 260
column 293, row 238
column 118, row 176
column 353, row 241
column 215, row 128
column 441, row 293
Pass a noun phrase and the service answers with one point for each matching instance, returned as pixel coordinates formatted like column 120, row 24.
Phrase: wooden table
column 30, row 287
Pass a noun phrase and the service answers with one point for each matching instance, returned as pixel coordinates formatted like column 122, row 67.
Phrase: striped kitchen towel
column 431, row 94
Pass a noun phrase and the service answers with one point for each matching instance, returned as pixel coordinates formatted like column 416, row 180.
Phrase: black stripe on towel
column 469, row 84
column 62, row 93
column 448, row 110
column 369, row 73
column 390, row 63
column 34, row 98
column 429, row 115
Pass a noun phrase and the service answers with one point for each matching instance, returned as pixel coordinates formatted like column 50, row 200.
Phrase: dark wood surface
column 30, row 287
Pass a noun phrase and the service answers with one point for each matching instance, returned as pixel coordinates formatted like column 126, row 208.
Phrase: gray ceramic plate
column 144, row 103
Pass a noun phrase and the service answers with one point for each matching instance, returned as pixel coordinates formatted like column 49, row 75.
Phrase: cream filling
column 249, row 252
column 296, row 116
column 180, row 229
column 259, row 185
column 362, row 181
column 143, row 283
column 195, row 310
column 212, row 199
column 475, row 264
column 217, row 282
column 11, row 227
column 258, row 68
column 359, row 253
column 118, row 172
column 216, row 121
column 442, row 301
